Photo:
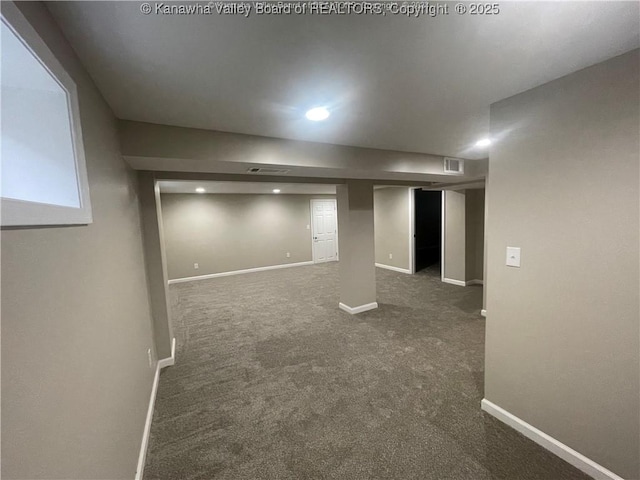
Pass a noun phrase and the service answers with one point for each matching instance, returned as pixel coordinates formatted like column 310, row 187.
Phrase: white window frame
column 25, row 213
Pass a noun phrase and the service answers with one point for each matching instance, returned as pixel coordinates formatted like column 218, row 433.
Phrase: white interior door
column 324, row 230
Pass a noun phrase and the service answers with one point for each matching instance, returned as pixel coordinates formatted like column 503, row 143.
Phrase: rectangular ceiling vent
column 453, row 165
column 268, row 171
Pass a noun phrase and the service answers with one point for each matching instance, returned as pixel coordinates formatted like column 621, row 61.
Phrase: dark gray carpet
column 272, row 381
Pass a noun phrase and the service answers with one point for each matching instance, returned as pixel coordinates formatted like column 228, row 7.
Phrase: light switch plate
column 513, row 257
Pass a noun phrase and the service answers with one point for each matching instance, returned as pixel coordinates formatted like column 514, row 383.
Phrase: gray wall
column 464, row 234
column 474, row 234
column 357, row 249
column 230, row 232
column 455, row 235
column 392, row 228
column 167, row 148
column 155, row 262
column 563, row 339
column 76, row 323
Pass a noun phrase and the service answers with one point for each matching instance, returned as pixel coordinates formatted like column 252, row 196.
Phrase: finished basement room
column 320, row 240
column 253, row 285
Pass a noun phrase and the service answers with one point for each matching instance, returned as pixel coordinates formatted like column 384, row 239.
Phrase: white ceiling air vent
column 453, row 165
column 268, row 171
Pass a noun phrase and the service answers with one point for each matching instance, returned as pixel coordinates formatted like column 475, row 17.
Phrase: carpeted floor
column 272, row 381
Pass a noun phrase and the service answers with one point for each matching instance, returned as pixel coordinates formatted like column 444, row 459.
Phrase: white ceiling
column 189, row 186
column 410, row 84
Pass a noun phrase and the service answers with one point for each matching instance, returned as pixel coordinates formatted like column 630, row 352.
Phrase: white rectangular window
column 43, row 175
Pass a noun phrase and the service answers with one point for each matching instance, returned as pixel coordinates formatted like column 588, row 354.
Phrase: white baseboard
column 167, row 362
column 556, row 447
column 483, row 312
column 238, row 272
column 360, row 309
column 462, row 283
column 395, row 269
column 142, row 456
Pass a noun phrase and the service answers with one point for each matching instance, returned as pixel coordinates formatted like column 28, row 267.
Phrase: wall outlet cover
column 513, row 257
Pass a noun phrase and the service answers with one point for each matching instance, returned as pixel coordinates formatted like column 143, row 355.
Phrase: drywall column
column 483, row 312
column 474, row 236
column 393, row 227
column 356, row 242
column 454, row 237
column 155, row 262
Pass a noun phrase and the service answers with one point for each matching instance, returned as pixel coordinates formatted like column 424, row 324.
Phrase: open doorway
column 427, row 229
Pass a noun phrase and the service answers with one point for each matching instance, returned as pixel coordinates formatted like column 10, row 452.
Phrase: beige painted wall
column 357, row 249
column 474, row 234
column 224, row 233
column 76, row 323
column 392, row 228
column 455, row 235
column 167, row 148
column 563, row 333
column 155, row 262
column 486, row 241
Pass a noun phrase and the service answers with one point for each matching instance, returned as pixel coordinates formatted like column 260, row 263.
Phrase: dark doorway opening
column 428, row 228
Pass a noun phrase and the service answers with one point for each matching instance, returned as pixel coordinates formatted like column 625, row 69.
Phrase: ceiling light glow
column 276, row 190
column 200, row 190
column 317, row 114
column 485, row 142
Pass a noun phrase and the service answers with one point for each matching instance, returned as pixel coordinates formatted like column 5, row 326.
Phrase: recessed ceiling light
column 485, row 142
column 200, row 190
column 317, row 114
column 276, row 190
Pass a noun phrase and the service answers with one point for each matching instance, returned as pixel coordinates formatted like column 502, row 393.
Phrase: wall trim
column 160, row 364
column 483, row 312
column 395, row 269
column 359, row 309
column 460, row 283
column 167, row 362
column 238, row 272
column 147, row 427
column 556, row 447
